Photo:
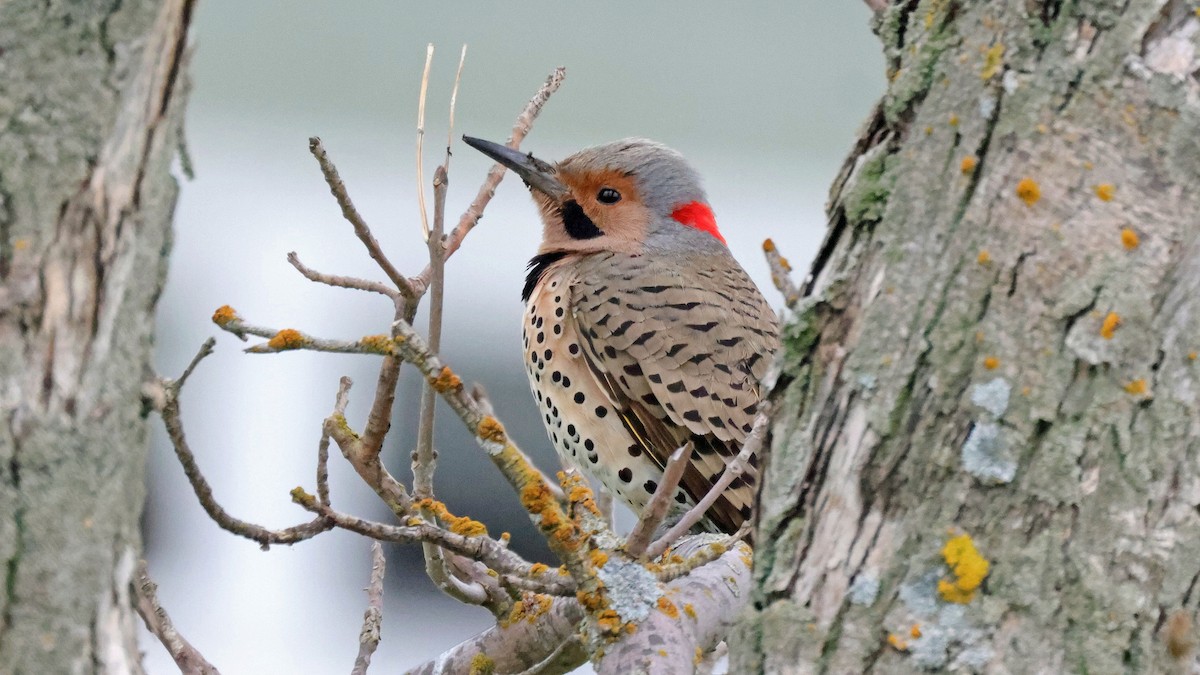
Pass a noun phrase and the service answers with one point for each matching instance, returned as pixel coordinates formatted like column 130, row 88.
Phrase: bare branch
column 368, row 638
column 732, row 470
column 660, row 502
column 421, row 143
column 338, row 188
column 172, row 420
column 339, row 281
column 189, row 660
column 781, row 273
column 470, row 218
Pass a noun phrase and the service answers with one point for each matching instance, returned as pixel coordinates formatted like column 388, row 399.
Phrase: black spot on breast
column 541, row 337
column 573, row 348
column 625, row 475
column 590, row 445
column 556, row 376
column 681, row 497
column 633, row 369
column 548, row 354
column 746, row 512
column 601, row 411
column 650, row 486
column 579, row 397
column 676, row 387
column 577, row 223
column 716, row 422
column 699, row 392
column 691, row 416
column 571, row 429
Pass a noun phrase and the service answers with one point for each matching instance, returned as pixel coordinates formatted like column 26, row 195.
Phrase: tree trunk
column 998, row 339
column 90, row 106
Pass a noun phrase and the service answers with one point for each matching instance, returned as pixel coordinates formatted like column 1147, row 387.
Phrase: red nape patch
column 699, row 216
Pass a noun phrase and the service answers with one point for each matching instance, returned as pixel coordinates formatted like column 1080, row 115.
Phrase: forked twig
column 421, row 143
column 660, row 502
column 733, row 469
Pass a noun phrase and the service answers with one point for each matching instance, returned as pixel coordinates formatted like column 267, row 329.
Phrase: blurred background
column 764, row 99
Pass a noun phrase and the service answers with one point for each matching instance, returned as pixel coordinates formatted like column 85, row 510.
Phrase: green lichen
column 867, row 196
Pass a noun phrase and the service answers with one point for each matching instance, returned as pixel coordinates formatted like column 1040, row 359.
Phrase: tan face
column 607, row 201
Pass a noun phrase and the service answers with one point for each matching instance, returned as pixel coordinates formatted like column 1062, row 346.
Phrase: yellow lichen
column 984, row 257
column 992, row 61
column 968, row 163
column 1129, row 239
column 1136, row 387
column 599, row 558
column 446, row 381
column 490, row 429
column 20, row 244
column 1109, row 325
column 915, row 631
column 287, row 338
column 667, row 607
column 662, row 653
column 1193, row 355
column 953, row 121
column 1105, row 191
column 467, row 527
column 224, row 315
column 991, row 362
column 538, row 568
column 768, row 246
column 928, row 131
column 377, row 344
column 896, row 642
column 1028, row 191
column 967, row 566
column 482, row 664
column 690, row 610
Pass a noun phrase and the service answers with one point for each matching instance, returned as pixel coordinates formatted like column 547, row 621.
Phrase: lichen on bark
column 1084, row 498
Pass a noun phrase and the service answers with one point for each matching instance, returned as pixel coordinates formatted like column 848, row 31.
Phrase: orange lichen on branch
column 529, row 608
column 915, row 631
column 967, row 566
column 984, row 257
column 953, row 121
column 968, row 163
column 896, row 642
column 768, row 246
column 1129, row 239
column 1105, row 191
column 377, row 344
column 1193, row 355
column 690, row 610
column 446, row 381
column 1109, row 325
column 224, row 315
column 490, row 429
column 991, row 362
column 288, row 338
column 538, row 568
column 609, row 622
column 667, row 607
column 599, row 558
column 461, row 525
column 1136, row 387
column 1028, row 191
column 577, row 491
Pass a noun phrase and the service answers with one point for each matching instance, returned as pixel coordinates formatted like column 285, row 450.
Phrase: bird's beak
column 538, row 175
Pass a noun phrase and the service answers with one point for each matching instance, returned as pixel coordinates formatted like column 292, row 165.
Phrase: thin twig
column 482, row 548
column 368, row 637
column 421, row 143
column 733, row 469
column 187, row 657
column 172, row 420
column 339, row 408
column 340, row 281
column 781, row 273
column 338, row 188
column 474, row 212
column 462, row 59
column 424, row 459
column 660, row 502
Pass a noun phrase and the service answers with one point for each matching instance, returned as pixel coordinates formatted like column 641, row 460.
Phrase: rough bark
column 90, row 106
column 950, row 369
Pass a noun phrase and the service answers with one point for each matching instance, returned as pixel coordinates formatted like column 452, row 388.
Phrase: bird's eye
column 608, row 196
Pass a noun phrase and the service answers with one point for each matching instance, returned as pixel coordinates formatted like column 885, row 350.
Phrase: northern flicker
column 641, row 331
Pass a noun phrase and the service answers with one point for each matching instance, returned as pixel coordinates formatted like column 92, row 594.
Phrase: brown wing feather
column 682, row 352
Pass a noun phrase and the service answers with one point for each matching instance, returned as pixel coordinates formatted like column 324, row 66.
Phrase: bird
column 642, row 334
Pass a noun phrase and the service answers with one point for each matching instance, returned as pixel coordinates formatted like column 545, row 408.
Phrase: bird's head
column 631, row 196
